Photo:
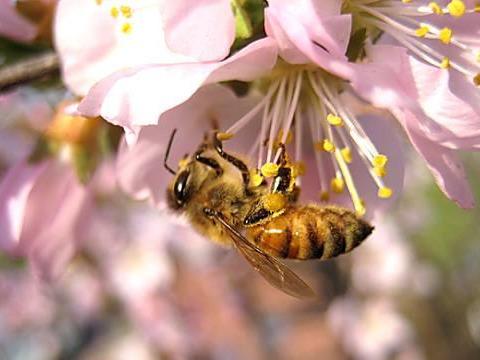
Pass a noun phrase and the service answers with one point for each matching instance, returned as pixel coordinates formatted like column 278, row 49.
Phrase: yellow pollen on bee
column 380, row 160
column 255, row 178
column 445, row 35
column 476, row 80
column 337, row 184
column 126, row 11
column 385, row 192
column 127, row 28
column 184, row 162
column 274, row 202
column 269, row 169
column 445, row 64
column 328, row 146
column 380, row 171
column 346, row 154
column 456, row 8
column 334, row 120
column 114, row 12
column 324, row 196
column 224, row 136
column 298, row 169
column 422, row 31
column 435, row 8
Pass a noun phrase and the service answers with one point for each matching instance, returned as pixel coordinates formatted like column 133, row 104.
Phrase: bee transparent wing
column 275, row 272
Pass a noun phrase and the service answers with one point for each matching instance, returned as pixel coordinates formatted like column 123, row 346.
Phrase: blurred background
column 144, row 286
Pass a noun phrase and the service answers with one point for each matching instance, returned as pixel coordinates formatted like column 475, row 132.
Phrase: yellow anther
column 478, row 56
column 114, row 12
column 324, row 196
column 126, row 11
column 445, row 64
column 255, row 178
column 406, row 1
column 422, row 31
column 224, row 136
column 99, row 2
column 476, row 80
column 328, row 146
column 385, row 192
column 337, row 185
column 477, row 8
column 334, row 120
column 456, row 8
column 380, row 160
column 360, row 208
column 127, row 28
column 298, row 169
column 274, row 202
column 445, row 35
column 269, row 169
column 347, row 155
column 437, row 9
column 379, row 171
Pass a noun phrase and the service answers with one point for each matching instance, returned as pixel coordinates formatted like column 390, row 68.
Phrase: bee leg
column 284, row 181
column 282, row 160
column 212, row 163
column 239, row 164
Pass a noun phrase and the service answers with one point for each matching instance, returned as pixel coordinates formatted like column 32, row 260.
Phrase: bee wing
column 275, row 272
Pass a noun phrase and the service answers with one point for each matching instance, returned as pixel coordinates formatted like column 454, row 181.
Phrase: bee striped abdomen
column 310, row 232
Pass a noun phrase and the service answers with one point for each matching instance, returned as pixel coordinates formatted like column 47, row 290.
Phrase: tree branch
column 28, row 70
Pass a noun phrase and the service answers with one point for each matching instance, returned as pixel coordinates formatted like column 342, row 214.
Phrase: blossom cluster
column 340, row 82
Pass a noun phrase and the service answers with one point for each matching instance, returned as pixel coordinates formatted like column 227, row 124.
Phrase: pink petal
column 310, row 11
column 15, row 190
column 54, row 209
column 139, row 167
column 395, row 79
column 445, row 166
column 138, row 97
column 13, row 25
column 202, row 29
column 92, row 46
column 453, row 118
column 302, row 34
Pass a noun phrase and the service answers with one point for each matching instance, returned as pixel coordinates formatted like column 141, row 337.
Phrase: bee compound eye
column 180, row 188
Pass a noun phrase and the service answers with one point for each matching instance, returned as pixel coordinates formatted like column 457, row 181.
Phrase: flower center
column 418, row 27
column 123, row 11
column 305, row 98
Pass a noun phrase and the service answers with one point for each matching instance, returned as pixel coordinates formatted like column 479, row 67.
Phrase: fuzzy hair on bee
column 261, row 219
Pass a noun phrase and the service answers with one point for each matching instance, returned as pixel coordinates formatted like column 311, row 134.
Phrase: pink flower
column 431, row 89
column 95, row 39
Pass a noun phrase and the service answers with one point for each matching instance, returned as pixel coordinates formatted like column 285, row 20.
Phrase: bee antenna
column 167, row 153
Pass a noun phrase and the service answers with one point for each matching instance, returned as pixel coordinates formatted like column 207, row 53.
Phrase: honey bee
column 261, row 220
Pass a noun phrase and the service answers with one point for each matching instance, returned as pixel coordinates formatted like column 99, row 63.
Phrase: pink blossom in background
column 13, row 25
column 26, row 21
column 40, row 207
